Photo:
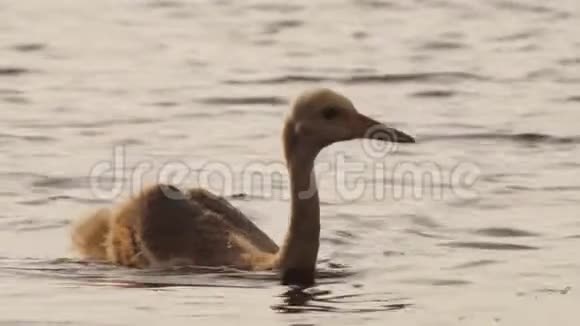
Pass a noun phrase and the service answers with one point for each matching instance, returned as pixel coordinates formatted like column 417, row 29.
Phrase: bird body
column 165, row 226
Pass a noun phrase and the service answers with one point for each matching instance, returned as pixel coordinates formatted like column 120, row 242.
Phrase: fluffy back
column 90, row 234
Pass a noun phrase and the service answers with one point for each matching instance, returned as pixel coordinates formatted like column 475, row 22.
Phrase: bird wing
column 234, row 217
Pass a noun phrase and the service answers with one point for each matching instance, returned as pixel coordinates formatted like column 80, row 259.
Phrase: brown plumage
column 165, row 226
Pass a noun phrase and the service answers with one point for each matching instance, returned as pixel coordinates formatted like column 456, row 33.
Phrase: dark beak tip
column 407, row 139
column 379, row 131
column 399, row 137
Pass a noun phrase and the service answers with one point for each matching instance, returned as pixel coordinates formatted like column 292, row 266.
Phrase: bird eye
column 329, row 113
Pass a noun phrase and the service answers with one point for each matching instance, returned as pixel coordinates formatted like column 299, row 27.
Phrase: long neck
column 300, row 249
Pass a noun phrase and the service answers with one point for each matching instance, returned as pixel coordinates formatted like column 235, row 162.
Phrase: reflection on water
column 294, row 300
column 108, row 274
column 298, row 300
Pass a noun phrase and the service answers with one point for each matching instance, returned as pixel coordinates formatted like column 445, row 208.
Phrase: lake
column 476, row 224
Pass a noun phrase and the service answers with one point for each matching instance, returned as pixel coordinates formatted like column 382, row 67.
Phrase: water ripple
column 570, row 61
column 27, row 224
column 518, row 36
column 487, row 245
column 10, row 91
column 278, row 26
column 476, row 263
column 518, row 137
column 164, row 4
column 525, row 8
column 16, row 100
column 504, row 232
column 91, row 124
column 276, row 7
column 29, row 47
column 442, row 46
column 247, row 100
column 575, row 98
column 13, row 71
column 443, row 76
column 424, row 234
column 30, row 138
column 436, row 93
column 60, row 182
column 437, row 282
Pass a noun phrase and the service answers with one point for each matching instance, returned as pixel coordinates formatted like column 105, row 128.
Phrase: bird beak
column 366, row 127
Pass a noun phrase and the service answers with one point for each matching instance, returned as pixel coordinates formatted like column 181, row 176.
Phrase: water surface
column 492, row 87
